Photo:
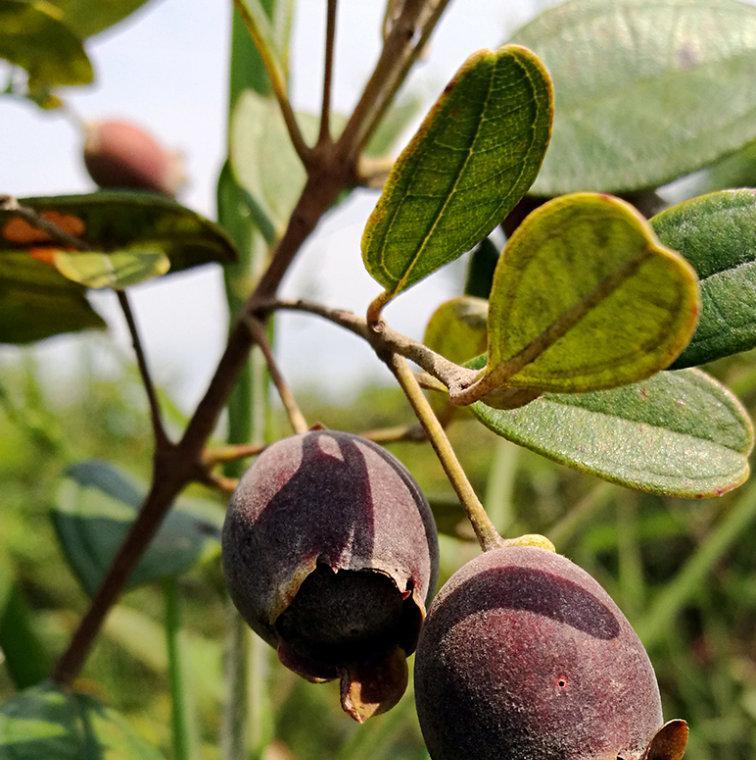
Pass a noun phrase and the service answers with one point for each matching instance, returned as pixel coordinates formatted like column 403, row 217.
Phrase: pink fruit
column 524, row 656
column 119, row 154
column 330, row 552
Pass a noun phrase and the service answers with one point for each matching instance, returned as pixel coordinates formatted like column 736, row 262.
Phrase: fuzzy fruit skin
column 330, row 552
column 119, row 154
column 524, row 656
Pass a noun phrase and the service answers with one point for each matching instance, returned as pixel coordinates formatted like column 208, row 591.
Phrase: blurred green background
column 682, row 571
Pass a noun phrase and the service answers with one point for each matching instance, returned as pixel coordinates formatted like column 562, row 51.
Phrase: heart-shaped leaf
column 584, row 297
column 36, row 301
column 142, row 233
column 717, row 234
column 473, row 157
column 88, row 17
column 47, row 723
column 646, row 91
column 95, row 508
column 669, row 742
column 677, row 433
column 36, row 38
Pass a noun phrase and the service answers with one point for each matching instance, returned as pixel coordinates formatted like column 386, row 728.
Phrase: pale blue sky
column 166, row 68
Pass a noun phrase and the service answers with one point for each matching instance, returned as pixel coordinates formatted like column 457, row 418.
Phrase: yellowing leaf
column 457, row 328
column 584, row 297
column 116, row 270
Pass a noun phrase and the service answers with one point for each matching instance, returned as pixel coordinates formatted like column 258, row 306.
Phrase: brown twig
column 158, row 429
column 231, row 453
column 384, row 339
column 178, row 466
column 294, row 413
column 217, row 482
column 324, row 136
column 397, row 434
column 403, row 43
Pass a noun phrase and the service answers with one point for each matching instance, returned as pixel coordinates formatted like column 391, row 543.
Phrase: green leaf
column 115, row 270
column 584, row 298
column 736, row 170
column 717, row 234
column 88, row 17
column 646, row 91
column 24, row 656
column 473, row 157
column 263, row 161
column 137, row 231
column 480, row 270
column 37, row 302
column 95, row 508
column 35, row 37
column 47, row 723
column 677, row 433
column 457, row 328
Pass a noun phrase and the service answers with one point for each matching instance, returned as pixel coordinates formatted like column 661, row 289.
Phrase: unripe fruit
column 524, row 656
column 329, row 553
column 119, row 154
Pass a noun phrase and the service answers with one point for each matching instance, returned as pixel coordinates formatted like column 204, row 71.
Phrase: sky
column 166, row 68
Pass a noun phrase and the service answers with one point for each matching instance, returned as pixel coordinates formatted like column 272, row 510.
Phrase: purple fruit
column 524, row 656
column 330, row 552
column 119, row 154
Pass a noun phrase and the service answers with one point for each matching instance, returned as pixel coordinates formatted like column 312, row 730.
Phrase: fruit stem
column 485, row 531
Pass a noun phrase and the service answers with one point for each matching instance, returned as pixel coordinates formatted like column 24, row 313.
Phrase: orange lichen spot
column 21, row 232
column 45, row 255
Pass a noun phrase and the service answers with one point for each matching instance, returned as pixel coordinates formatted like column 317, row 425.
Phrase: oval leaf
column 88, row 17
column 35, row 38
column 717, row 234
column 141, row 228
column 47, row 723
column 37, row 302
column 95, row 508
column 646, row 91
column 111, row 270
column 584, row 298
column 473, row 157
column 677, row 433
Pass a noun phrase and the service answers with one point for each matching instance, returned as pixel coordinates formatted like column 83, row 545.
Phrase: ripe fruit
column 329, row 553
column 119, row 154
column 524, row 656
